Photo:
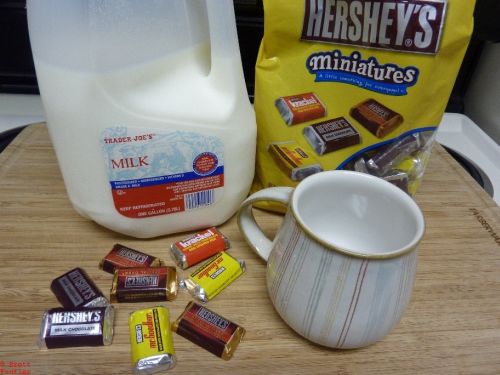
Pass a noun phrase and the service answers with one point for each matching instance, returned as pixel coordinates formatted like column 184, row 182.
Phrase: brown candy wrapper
column 144, row 284
column 209, row 330
column 121, row 256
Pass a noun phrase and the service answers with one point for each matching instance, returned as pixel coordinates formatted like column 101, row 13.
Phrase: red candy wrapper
column 198, row 247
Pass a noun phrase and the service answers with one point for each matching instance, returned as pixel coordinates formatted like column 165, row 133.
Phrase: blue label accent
column 365, row 83
column 160, row 180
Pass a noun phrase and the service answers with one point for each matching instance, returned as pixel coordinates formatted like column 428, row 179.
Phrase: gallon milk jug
column 147, row 110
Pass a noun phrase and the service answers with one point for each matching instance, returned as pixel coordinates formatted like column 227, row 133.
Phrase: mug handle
column 246, row 220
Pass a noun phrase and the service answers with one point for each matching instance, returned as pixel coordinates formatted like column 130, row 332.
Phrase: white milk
column 155, row 147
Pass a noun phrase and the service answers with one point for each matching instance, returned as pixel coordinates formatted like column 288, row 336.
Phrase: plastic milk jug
column 147, row 110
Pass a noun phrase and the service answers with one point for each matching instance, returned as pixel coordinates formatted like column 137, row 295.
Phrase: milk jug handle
column 223, row 35
column 249, row 227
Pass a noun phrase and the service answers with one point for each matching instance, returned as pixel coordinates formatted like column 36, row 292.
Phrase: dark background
column 17, row 73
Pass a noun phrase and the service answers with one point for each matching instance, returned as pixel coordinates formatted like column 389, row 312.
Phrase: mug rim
column 411, row 246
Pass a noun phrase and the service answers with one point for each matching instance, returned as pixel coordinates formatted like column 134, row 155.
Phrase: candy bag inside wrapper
column 358, row 85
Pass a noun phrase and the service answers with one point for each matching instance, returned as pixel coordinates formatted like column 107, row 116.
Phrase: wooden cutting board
column 452, row 325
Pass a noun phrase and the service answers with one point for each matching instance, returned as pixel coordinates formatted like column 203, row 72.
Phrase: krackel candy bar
column 295, row 109
column 209, row 330
column 213, row 276
column 198, row 247
column 152, row 348
column 144, row 284
column 75, row 289
column 293, row 160
column 63, row 328
column 124, row 257
column 376, row 117
column 331, row 135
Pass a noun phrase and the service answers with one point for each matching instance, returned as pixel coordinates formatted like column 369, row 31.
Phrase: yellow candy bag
column 358, row 85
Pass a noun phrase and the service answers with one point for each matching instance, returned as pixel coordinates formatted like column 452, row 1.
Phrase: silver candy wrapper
column 63, row 328
column 155, row 363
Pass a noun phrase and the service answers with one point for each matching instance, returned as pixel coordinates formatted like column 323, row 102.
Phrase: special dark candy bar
column 331, row 135
column 63, row 328
column 75, row 289
column 376, row 117
column 124, row 257
column 144, row 284
column 209, row 330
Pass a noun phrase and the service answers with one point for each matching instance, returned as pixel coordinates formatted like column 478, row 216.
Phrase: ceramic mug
column 340, row 270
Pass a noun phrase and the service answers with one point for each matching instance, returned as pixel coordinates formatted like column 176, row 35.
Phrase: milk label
column 155, row 173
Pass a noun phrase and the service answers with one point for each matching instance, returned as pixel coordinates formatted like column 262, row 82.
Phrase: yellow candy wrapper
column 213, row 276
column 151, row 340
column 358, row 85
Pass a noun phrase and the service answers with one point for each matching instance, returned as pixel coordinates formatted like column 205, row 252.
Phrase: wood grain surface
column 452, row 325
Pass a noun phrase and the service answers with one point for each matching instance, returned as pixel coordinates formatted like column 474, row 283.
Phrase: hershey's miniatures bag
column 359, row 85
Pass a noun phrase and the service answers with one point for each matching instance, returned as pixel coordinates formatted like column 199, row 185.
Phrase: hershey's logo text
column 132, row 255
column 212, row 318
column 81, row 283
column 141, row 281
column 413, row 26
column 76, row 317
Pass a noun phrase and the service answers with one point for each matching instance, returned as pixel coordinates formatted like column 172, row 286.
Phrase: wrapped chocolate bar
column 144, row 284
column 390, row 155
column 401, row 162
column 376, row 117
column 331, row 135
column 124, row 257
column 63, row 328
column 209, row 330
column 293, row 160
column 198, row 247
column 213, row 276
column 151, row 342
column 399, row 179
column 75, row 289
column 295, row 109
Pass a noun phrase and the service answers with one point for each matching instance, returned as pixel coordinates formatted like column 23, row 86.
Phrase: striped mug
column 341, row 268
